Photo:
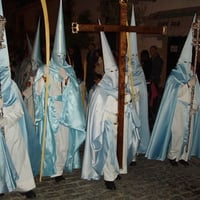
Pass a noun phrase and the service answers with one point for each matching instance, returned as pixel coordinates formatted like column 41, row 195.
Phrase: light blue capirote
column 36, row 57
column 161, row 134
column 72, row 115
column 31, row 61
column 59, row 47
column 139, row 82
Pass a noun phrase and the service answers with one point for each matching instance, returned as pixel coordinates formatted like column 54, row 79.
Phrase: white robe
column 62, row 135
column 17, row 148
column 106, row 111
column 178, row 125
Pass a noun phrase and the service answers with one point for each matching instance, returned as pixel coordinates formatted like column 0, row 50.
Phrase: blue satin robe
column 161, row 134
column 72, row 116
column 140, row 82
column 11, row 94
column 8, row 174
column 195, row 149
column 100, row 140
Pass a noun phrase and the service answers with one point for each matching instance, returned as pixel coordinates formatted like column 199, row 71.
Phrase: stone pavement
column 148, row 180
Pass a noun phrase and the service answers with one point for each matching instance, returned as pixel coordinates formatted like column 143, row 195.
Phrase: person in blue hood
column 36, row 62
column 100, row 153
column 65, row 122
column 19, row 147
column 176, row 125
column 137, row 87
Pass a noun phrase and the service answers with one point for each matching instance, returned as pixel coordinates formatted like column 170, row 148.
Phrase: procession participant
column 17, row 136
column 8, row 174
column 138, row 88
column 175, row 128
column 100, row 154
column 65, row 115
column 36, row 61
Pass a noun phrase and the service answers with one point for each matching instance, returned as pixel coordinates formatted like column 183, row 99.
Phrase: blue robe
column 161, row 134
column 12, row 95
column 101, row 137
column 72, row 116
column 195, row 151
column 139, row 82
column 144, row 132
column 8, row 174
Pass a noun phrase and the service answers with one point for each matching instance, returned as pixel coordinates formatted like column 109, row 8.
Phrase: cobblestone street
column 148, row 180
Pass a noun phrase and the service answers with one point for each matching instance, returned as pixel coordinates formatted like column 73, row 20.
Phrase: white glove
column 3, row 121
column 62, row 73
column 192, row 81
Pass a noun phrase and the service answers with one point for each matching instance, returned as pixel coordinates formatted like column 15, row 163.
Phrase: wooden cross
column 122, row 28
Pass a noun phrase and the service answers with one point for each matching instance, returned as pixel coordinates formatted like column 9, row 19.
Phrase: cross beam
column 122, row 28
column 117, row 28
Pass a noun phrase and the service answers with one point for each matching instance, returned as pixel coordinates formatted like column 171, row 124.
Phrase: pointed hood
column 59, row 48
column 135, row 73
column 183, row 67
column 108, row 58
column 133, row 42
column 186, row 54
column 110, row 67
column 36, row 57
